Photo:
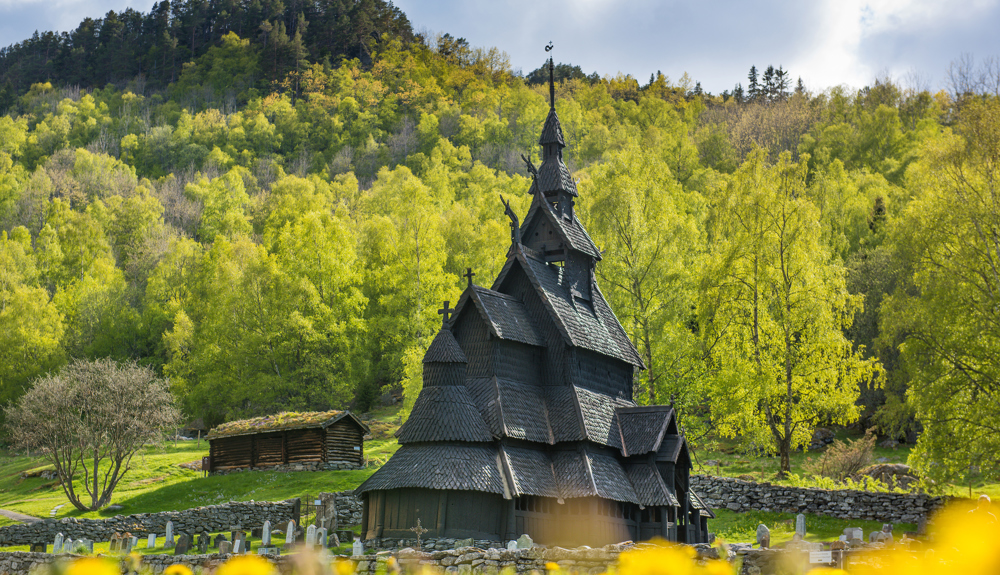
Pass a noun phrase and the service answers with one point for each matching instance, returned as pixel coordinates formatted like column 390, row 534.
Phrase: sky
column 825, row 42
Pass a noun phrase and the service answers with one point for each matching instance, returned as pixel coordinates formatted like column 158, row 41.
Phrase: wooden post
column 199, row 438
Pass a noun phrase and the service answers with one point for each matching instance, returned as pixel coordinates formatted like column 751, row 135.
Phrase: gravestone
column 225, row 547
column 922, row 526
column 57, row 547
column 511, row 545
column 290, row 535
column 358, row 548
column 311, row 536
column 151, row 541
column 854, row 533
column 763, row 536
column 39, row 547
column 265, row 535
column 321, row 537
column 183, row 545
column 203, row 543
column 90, row 545
column 326, row 515
column 525, row 542
column 218, row 541
column 333, row 542
column 237, row 546
column 168, row 541
column 800, row 525
column 116, row 543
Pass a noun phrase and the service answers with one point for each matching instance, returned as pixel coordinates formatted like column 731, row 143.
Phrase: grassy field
column 742, row 527
column 157, row 482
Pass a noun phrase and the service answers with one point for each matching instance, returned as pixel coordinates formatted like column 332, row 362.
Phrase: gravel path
column 19, row 516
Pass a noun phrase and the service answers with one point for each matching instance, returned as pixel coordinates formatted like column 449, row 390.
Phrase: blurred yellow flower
column 826, row 571
column 93, row 566
column 249, row 565
column 551, row 566
column 177, row 569
column 345, row 567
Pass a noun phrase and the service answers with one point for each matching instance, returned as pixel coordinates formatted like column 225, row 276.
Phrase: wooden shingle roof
column 439, row 466
column 571, row 232
column 530, row 472
column 580, row 326
column 643, row 428
column 599, row 416
column 283, row 421
column 512, row 409
column 444, row 413
column 445, row 349
column 552, row 130
column 649, row 485
column 505, row 315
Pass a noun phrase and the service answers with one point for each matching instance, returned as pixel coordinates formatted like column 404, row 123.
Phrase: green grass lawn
column 742, row 527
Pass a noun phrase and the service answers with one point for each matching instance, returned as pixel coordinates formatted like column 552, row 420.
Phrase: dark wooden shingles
column 649, row 486
column 599, row 417
column 444, row 413
column 643, row 428
column 507, row 317
column 486, row 396
column 531, row 472
column 444, row 349
column 571, row 473
column 472, row 468
column 523, row 411
column 610, row 479
column 697, row 503
column 563, row 416
column 551, row 130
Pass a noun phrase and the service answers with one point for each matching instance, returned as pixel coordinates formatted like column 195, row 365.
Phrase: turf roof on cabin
column 282, row 421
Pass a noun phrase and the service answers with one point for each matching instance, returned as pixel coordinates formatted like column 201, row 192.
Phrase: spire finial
column 552, row 80
column 469, row 275
column 445, row 312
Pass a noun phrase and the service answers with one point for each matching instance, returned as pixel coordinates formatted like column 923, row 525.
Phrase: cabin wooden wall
column 474, row 338
column 344, row 443
column 517, row 361
column 601, row 373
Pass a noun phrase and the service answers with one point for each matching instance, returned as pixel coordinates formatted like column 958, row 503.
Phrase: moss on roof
column 283, row 420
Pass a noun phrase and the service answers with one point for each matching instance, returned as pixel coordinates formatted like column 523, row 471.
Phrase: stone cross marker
column 419, row 530
column 168, row 542
column 763, row 536
column 800, row 525
column 151, row 541
column 265, row 535
column 310, row 535
column 57, row 547
column 290, row 534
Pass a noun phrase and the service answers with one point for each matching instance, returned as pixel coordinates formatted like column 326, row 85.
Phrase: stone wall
column 211, row 518
column 739, row 495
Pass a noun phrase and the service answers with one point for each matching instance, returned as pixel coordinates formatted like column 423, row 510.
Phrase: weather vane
column 549, row 47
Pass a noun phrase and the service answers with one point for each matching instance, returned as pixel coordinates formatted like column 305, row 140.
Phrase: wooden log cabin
column 526, row 421
column 310, row 441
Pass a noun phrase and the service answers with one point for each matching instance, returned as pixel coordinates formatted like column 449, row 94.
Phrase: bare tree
column 89, row 420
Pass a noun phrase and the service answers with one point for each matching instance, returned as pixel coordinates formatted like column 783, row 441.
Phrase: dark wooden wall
column 473, row 337
column 601, row 373
column 287, row 447
column 393, row 512
column 344, row 442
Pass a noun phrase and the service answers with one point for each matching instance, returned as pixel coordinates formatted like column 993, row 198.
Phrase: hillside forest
column 267, row 204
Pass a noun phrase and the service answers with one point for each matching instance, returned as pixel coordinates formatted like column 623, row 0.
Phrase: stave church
column 526, row 422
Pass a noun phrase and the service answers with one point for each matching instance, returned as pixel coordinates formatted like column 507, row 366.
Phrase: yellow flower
column 345, row 567
column 826, row 571
column 177, row 569
column 248, row 565
column 551, row 566
column 92, row 566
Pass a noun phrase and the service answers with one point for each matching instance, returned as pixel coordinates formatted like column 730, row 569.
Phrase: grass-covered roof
column 281, row 421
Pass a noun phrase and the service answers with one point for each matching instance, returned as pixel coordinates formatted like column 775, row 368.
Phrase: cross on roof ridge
column 445, row 312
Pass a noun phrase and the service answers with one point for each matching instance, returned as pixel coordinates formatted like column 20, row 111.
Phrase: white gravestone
column 290, row 534
column 511, row 545
column 358, row 548
column 311, row 535
column 168, row 542
column 57, row 547
column 151, row 541
column 800, row 525
column 265, row 535
column 238, row 546
column 321, row 537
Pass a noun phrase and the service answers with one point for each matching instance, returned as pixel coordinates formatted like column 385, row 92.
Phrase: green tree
column 947, row 310
column 650, row 230
column 774, row 309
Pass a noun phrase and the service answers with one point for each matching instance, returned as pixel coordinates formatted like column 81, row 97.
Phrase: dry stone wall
column 211, row 518
column 738, row 495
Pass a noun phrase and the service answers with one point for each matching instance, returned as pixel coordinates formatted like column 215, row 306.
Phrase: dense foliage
column 276, row 232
